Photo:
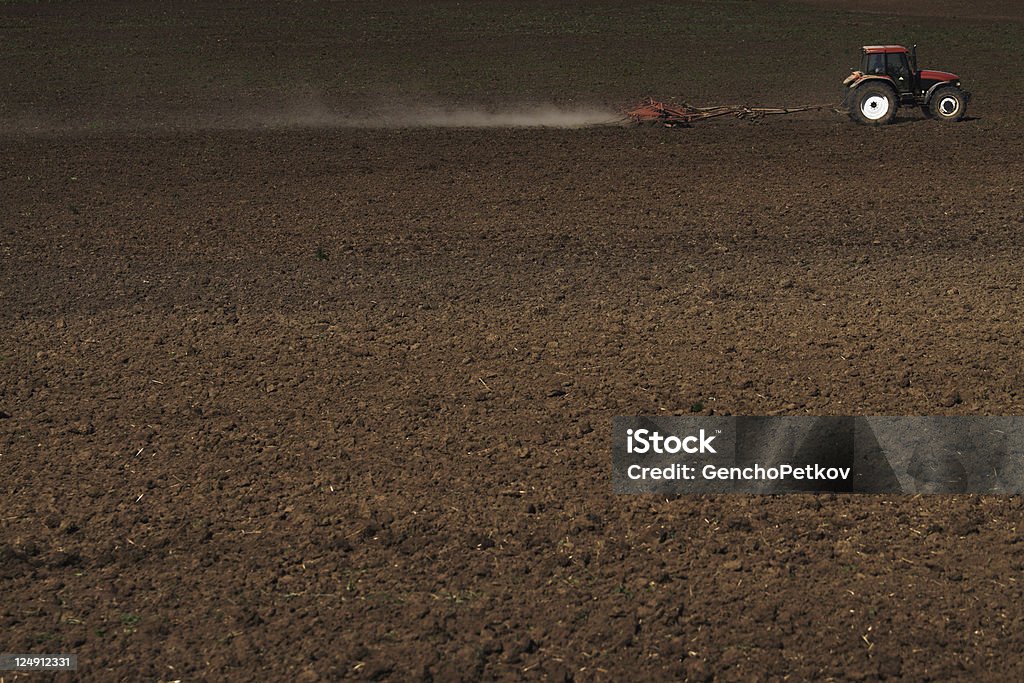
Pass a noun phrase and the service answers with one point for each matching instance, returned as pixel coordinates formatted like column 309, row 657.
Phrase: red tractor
column 889, row 78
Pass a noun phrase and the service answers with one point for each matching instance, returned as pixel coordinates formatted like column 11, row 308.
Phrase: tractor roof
column 884, row 49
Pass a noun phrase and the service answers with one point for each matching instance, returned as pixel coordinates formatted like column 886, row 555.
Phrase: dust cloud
column 526, row 117
column 316, row 116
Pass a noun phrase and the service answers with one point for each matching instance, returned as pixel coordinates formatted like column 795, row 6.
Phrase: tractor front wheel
column 873, row 104
column 948, row 103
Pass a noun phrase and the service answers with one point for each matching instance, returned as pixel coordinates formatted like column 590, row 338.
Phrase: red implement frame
column 655, row 112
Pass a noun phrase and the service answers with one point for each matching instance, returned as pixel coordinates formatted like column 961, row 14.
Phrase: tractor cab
column 892, row 61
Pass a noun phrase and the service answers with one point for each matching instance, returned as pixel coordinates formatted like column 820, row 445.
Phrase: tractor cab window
column 898, row 66
column 874, row 64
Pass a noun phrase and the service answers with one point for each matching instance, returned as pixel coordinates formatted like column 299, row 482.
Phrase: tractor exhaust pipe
column 913, row 58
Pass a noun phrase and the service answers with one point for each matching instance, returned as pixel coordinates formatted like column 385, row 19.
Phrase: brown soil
column 999, row 10
column 327, row 402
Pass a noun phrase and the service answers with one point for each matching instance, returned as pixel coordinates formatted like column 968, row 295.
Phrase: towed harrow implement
column 683, row 115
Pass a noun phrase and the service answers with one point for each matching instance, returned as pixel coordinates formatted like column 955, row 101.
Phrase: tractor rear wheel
column 948, row 103
column 874, row 104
